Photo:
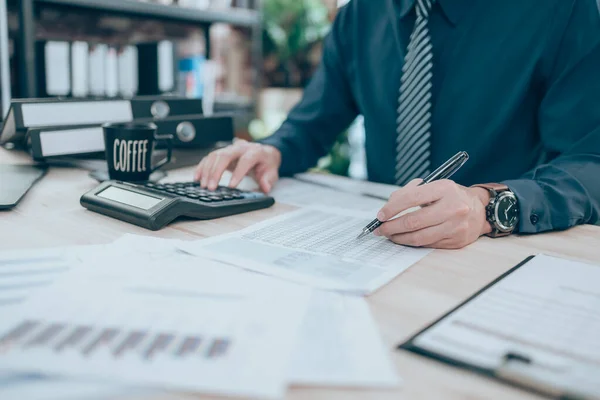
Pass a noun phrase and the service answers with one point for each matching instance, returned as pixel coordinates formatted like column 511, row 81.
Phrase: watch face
column 507, row 212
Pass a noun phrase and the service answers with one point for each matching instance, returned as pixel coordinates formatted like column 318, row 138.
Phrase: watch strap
column 495, row 233
column 497, row 187
column 494, row 189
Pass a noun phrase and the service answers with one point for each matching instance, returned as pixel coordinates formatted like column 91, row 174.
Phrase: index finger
column 244, row 165
column 412, row 196
column 221, row 160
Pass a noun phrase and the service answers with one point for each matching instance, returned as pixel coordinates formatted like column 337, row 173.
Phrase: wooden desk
column 50, row 215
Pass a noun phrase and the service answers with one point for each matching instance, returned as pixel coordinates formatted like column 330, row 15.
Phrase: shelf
column 239, row 17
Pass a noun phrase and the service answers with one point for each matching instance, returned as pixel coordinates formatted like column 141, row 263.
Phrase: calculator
column 154, row 205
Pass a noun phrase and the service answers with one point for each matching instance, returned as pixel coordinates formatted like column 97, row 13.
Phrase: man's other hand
column 243, row 158
column 451, row 216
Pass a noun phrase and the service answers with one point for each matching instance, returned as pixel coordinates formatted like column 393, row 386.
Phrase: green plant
column 291, row 30
column 338, row 160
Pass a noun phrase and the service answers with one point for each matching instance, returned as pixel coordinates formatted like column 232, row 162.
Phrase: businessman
column 515, row 83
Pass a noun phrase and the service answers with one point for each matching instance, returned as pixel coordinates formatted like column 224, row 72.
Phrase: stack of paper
column 141, row 315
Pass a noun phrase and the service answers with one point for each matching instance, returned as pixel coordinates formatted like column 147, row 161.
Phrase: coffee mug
column 129, row 149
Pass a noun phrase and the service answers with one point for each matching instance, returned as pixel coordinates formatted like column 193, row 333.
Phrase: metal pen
column 445, row 171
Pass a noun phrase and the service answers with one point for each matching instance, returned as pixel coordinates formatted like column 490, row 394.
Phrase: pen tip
column 362, row 235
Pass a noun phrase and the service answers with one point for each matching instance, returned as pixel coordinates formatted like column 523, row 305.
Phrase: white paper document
column 40, row 387
column 313, row 246
column 336, row 344
column 157, row 336
column 23, row 272
column 306, row 189
column 339, row 345
column 348, row 185
column 547, row 312
column 302, row 194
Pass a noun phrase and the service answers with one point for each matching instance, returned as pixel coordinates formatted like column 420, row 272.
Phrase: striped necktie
column 414, row 112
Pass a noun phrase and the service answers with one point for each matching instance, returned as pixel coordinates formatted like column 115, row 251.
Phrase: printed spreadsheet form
column 314, row 246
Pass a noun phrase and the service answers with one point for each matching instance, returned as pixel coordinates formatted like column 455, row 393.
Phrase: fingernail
column 212, row 184
column 380, row 216
column 376, row 232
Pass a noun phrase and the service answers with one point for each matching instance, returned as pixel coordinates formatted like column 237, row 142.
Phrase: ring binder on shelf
column 59, row 141
column 188, row 131
column 35, row 113
column 160, row 107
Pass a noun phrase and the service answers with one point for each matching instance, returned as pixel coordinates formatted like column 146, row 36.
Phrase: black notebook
column 15, row 181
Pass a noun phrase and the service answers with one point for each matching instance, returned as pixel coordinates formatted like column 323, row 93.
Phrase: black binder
column 26, row 114
column 192, row 132
column 34, row 113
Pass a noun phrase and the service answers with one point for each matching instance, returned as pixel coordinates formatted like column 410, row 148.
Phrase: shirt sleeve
column 326, row 109
column 565, row 191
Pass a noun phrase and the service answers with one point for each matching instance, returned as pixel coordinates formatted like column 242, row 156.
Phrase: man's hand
column 242, row 157
column 452, row 216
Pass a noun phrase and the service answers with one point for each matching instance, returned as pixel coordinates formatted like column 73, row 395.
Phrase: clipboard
column 516, row 368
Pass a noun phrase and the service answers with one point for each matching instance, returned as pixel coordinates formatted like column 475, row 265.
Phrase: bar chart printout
column 225, row 345
column 87, row 341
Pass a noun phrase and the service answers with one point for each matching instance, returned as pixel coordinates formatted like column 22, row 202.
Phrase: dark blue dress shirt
column 516, row 84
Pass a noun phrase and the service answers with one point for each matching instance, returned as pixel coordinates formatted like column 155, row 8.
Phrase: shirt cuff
column 534, row 215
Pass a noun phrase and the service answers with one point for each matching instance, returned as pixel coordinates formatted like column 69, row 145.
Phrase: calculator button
column 227, row 197
column 150, row 185
column 171, row 190
column 215, row 197
column 206, row 199
column 193, row 196
column 159, row 187
column 181, row 192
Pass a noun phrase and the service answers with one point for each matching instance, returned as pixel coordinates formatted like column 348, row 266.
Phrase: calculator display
column 128, row 197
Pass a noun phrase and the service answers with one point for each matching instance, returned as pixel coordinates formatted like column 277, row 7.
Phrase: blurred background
column 250, row 57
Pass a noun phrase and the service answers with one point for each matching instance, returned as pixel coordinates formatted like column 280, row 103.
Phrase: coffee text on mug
column 130, row 155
